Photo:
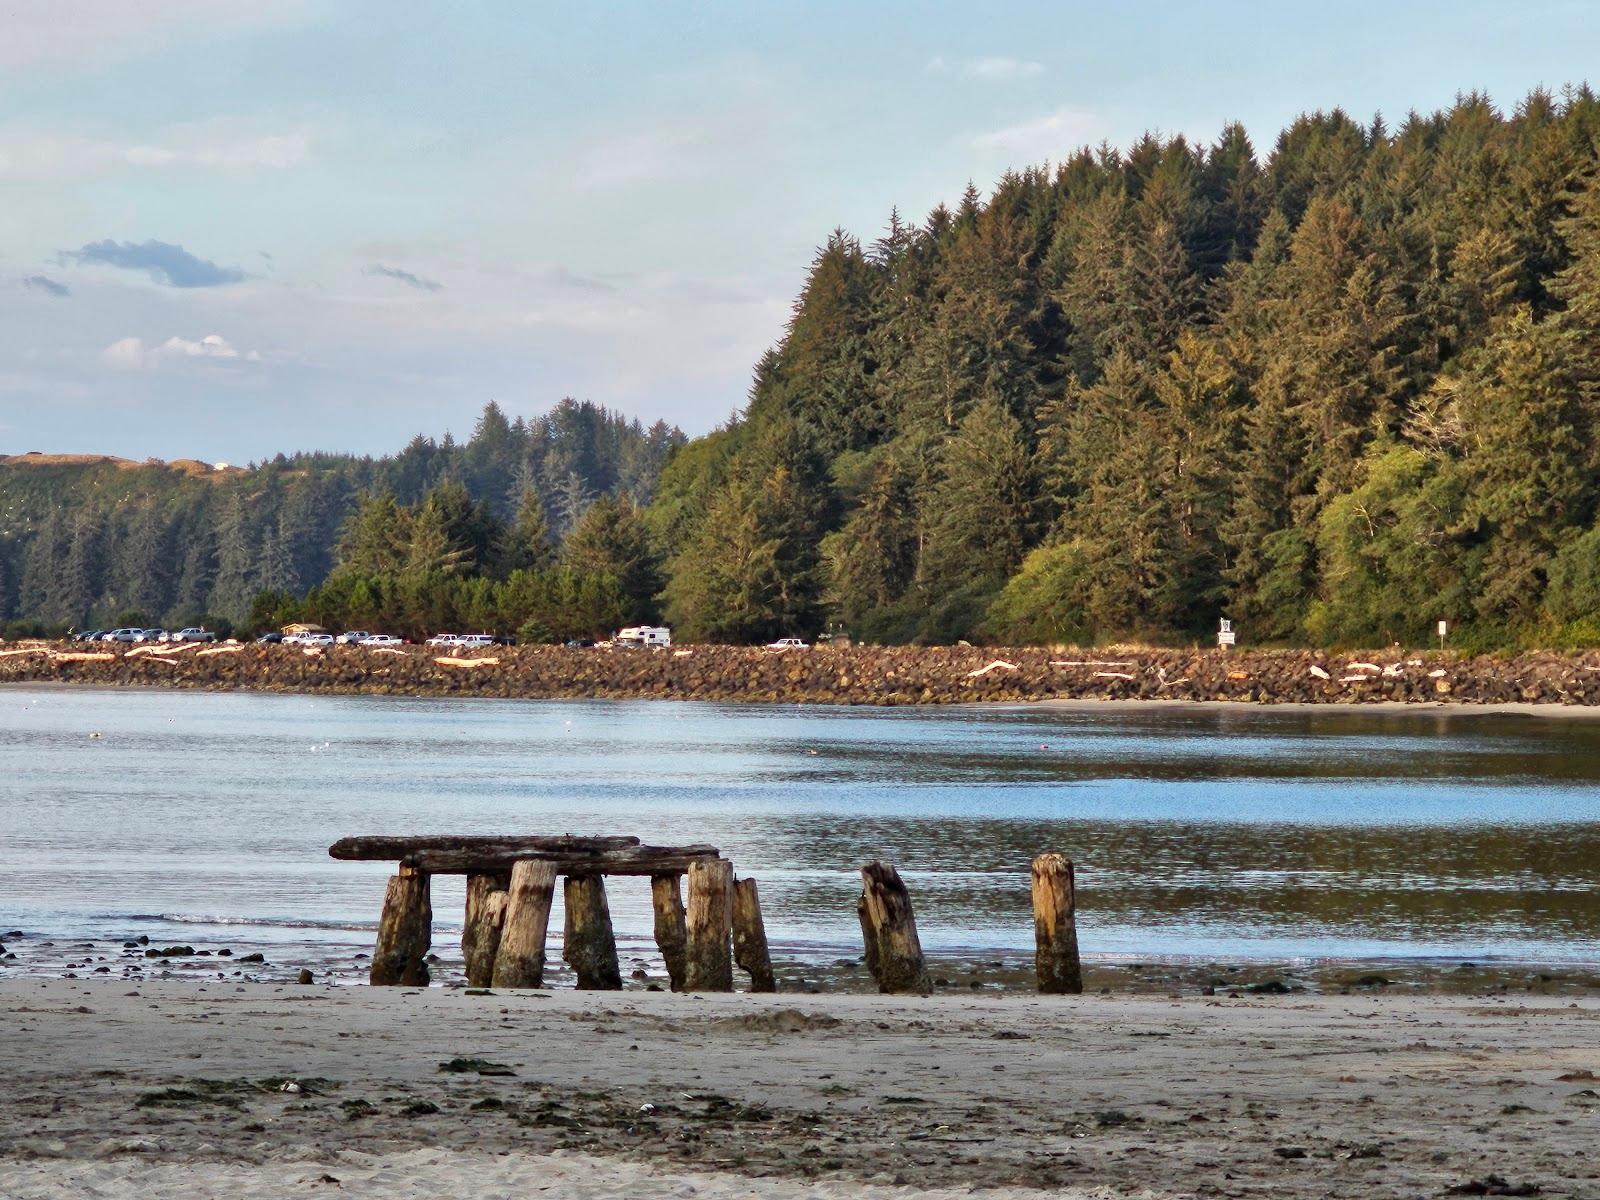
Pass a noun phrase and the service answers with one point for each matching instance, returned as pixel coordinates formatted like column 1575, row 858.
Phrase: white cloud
column 49, row 33
column 996, row 68
column 1054, row 136
column 212, row 146
column 132, row 354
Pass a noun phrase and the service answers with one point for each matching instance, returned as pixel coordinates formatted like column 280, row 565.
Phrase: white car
column 123, row 635
column 474, row 641
column 192, row 634
column 787, row 644
column 315, row 639
column 382, row 639
column 444, row 639
column 352, row 637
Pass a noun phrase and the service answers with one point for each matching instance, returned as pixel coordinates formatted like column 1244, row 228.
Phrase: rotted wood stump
column 888, row 923
column 666, row 897
column 709, row 921
column 520, row 961
column 405, row 933
column 1055, row 926
column 590, row 946
column 869, row 937
column 481, row 930
column 750, row 952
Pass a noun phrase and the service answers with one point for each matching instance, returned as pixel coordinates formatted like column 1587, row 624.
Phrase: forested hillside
column 107, row 541
column 1335, row 393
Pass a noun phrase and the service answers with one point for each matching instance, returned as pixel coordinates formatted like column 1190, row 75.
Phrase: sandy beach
column 192, row 1090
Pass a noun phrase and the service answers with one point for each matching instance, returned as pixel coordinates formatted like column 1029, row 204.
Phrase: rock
column 1289, row 1151
column 305, row 976
column 251, row 958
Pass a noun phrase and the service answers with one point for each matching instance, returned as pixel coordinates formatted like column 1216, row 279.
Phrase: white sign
column 1444, row 628
column 1225, row 634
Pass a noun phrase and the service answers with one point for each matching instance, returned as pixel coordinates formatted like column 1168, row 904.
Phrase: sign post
column 1225, row 634
column 1444, row 628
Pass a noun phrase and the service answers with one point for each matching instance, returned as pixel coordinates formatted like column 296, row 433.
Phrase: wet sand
column 190, row 1090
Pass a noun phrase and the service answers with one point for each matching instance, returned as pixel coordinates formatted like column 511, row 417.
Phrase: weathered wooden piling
column 520, row 961
column 481, row 930
column 1055, row 926
column 750, row 952
column 666, row 897
column 708, row 965
column 589, row 945
column 889, row 923
column 405, row 932
column 869, row 937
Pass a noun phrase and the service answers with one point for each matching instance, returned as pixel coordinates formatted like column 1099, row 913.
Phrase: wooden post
column 405, row 932
column 589, row 945
column 480, row 931
column 750, row 951
column 893, row 926
column 520, row 962
column 1055, row 926
column 869, row 939
column 709, row 925
column 671, row 936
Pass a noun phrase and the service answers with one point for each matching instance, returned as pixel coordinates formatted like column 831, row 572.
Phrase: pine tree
column 610, row 539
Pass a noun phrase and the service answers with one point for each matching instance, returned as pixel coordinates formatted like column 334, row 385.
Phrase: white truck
column 644, row 635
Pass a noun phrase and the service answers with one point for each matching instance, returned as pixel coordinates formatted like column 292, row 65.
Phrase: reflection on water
column 1204, row 832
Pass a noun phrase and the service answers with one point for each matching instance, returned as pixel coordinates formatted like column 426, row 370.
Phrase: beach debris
column 210, row 650
column 1437, row 674
column 1363, row 666
column 475, row 1066
column 450, row 661
column 78, row 656
column 289, row 1086
column 1112, row 675
column 998, row 664
column 1088, row 662
column 92, row 736
column 1493, row 1185
column 750, row 952
column 1319, row 672
column 708, row 927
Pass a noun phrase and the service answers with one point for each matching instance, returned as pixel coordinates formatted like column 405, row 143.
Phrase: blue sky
column 229, row 229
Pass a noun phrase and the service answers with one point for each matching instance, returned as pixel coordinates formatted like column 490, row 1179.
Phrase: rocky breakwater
column 858, row 675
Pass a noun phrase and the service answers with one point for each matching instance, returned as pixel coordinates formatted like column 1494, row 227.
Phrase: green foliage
column 1334, row 395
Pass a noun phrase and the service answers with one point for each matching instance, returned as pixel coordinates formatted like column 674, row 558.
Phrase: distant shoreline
column 1539, row 683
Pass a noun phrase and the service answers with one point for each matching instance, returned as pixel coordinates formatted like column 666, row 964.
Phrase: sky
column 230, row 229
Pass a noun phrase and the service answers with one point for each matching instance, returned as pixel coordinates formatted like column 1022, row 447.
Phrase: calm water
column 1216, row 834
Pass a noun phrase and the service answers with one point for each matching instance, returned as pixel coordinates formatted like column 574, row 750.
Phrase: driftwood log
column 889, row 923
column 589, row 945
column 520, row 961
column 405, row 932
column 481, row 930
column 666, row 898
column 750, row 952
column 393, row 849
column 1055, row 927
column 708, row 963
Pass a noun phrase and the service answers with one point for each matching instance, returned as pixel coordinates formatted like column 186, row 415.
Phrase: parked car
column 382, row 639
column 352, row 637
column 270, row 639
column 192, row 634
column 123, row 635
column 315, row 639
column 580, row 643
column 644, row 635
column 788, row 644
column 475, row 641
column 86, row 635
column 444, row 639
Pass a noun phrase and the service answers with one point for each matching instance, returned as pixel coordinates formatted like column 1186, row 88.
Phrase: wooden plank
column 642, row 860
column 1055, row 926
column 520, row 961
column 393, row 849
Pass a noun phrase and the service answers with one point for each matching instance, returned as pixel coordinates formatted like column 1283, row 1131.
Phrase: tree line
column 116, row 543
column 1335, row 394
